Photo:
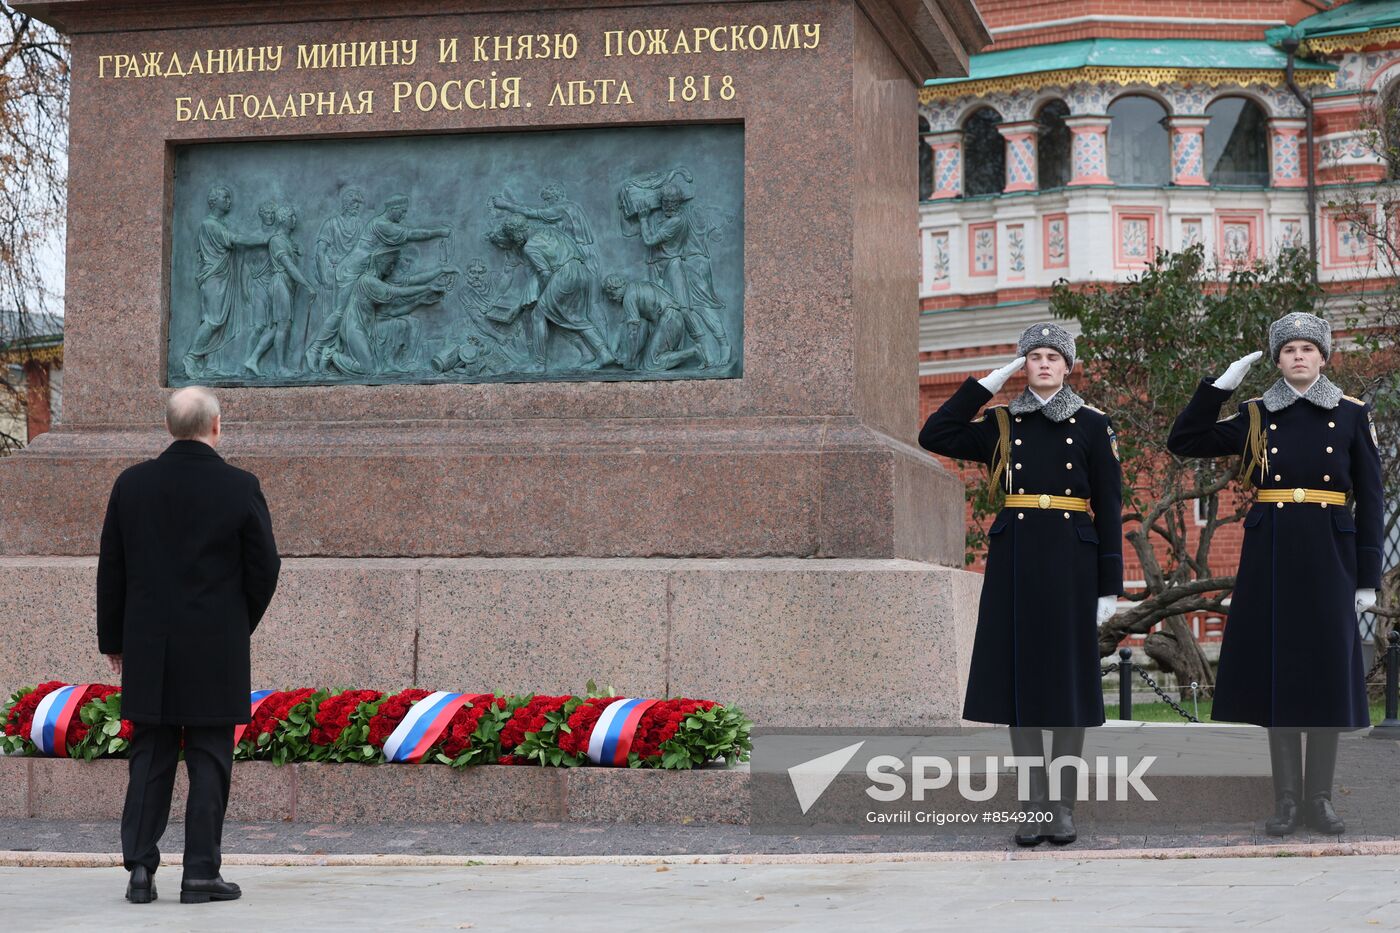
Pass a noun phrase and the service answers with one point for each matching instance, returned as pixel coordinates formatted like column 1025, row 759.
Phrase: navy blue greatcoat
column 1291, row 656
column 1035, row 658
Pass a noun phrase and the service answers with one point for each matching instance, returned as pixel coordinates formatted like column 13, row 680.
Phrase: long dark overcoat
column 1035, row 658
column 186, row 569
column 1291, row 655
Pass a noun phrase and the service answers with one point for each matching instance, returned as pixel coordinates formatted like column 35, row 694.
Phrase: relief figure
column 565, row 286
column 218, row 281
column 385, row 232
column 334, row 241
column 285, row 276
column 653, row 325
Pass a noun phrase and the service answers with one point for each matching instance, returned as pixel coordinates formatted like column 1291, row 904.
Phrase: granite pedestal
column 774, row 540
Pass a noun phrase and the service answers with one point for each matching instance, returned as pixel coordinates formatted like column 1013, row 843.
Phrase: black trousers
column 153, row 758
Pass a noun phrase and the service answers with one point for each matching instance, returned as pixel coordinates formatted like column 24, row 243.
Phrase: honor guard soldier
column 1291, row 657
column 1054, row 568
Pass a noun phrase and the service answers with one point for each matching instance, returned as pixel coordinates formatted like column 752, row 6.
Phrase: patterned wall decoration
column 1187, row 156
column 1056, row 240
column 1020, row 162
column 982, row 255
column 947, row 171
column 1358, row 71
column 1135, row 236
column 1350, row 149
column 1015, row 106
column 1192, row 232
column 1287, row 158
column 1089, row 98
column 940, row 268
column 1015, row 251
column 1090, row 154
column 1290, row 232
column 1279, row 100
column 1348, row 243
column 1188, row 98
column 1237, row 236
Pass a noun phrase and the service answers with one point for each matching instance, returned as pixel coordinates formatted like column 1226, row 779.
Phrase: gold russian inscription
column 589, row 93
column 724, row 39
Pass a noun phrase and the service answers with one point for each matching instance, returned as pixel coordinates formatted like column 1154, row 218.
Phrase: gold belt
column 1046, row 501
column 1325, row 496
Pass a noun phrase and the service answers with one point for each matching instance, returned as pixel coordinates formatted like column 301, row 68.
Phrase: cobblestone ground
column 1293, row 894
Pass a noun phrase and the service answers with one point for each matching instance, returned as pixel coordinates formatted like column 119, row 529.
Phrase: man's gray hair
column 190, row 413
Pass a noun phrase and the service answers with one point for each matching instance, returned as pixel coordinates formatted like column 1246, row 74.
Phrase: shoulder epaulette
column 1092, row 408
column 1351, row 398
column 985, row 412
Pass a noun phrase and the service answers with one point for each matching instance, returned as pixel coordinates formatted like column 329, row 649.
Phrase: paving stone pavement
column 1293, row 894
column 590, row 839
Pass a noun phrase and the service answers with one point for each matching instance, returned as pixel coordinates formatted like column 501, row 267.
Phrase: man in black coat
column 186, row 570
column 1291, row 658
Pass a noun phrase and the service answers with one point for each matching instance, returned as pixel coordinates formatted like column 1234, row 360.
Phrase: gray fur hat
column 1047, row 334
column 1300, row 325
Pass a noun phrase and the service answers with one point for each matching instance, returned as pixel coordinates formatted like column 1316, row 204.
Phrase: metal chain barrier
column 1137, row 669
column 1377, row 667
column 1162, row 693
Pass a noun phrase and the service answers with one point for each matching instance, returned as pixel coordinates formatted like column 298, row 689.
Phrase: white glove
column 1365, row 599
column 1234, row 375
column 1108, row 605
column 994, row 380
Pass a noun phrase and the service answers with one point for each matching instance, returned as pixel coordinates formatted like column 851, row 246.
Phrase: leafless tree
column 33, row 166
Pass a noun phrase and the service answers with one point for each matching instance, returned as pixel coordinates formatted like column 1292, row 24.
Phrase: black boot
column 1027, row 742
column 1030, row 831
column 1069, row 743
column 1061, row 830
column 1317, row 786
column 141, row 889
column 204, row 890
column 1286, row 763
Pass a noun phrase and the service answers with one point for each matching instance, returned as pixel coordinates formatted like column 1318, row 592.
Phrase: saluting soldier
column 1291, row 657
column 1054, row 570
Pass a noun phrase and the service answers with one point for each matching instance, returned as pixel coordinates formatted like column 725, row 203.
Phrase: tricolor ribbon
column 425, row 723
column 255, row 699
column 614, row 731
column 49, row 729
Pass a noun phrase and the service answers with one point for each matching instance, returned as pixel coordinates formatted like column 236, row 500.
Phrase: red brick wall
column 37, row 410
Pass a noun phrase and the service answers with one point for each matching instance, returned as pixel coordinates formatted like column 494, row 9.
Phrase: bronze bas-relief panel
column 596, row 254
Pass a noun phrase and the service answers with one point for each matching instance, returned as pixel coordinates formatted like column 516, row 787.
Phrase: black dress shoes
column 1324, row 819
column 204, row 890
column 141, row 888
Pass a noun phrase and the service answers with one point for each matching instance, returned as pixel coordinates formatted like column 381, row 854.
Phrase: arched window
column 1139, row 151
column 984, row 153
column 1053, row 147
column 925, row 163
column 1237, row 143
